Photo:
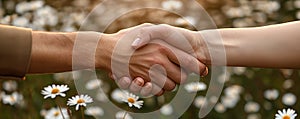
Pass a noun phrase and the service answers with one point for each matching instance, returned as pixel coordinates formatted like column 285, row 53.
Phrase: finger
column 147, row 34
column 187, row 61
column 146, row 90
column 177, row 37
column 136, row 86
column 160, row 93
column 159, row 76
column 156, row 90
column 170, row 85
column 124, row 82
column 175, row 73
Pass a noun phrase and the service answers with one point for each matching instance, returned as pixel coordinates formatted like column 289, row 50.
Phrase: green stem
column 124, row 115
column 82, row 114
column 60, row 109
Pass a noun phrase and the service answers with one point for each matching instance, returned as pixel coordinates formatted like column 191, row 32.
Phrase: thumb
column 171, row 35
column 146, row 34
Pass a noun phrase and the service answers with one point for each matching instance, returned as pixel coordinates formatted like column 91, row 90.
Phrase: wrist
column 220, row 45
column 104, row 51
column 200, row 47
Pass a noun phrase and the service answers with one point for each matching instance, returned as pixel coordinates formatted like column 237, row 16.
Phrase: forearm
column 274, row 46
column 53, row 51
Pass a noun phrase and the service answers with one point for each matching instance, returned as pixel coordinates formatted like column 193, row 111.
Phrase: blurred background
column 249, row 93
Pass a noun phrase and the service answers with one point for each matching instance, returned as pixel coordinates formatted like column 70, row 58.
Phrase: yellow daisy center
column 286, row 117
column 54, row 91
column 80, row 101
column 195, row 88
column 131, row 100
column 56, row 113
column 12, row 99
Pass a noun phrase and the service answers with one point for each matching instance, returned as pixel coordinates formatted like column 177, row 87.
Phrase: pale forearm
column 274, row 46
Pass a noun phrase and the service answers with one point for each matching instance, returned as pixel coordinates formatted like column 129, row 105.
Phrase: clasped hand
column 150, row 59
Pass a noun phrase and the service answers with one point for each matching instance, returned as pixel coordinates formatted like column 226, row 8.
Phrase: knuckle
column 162, row 49
column 165, row 28
column 143, row 30
column 157, row 60
column 188, row 61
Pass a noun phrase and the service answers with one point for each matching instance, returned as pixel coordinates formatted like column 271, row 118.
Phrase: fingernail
column 126, row 81
column 136, row 42
column 205, row 72
column 139, row 81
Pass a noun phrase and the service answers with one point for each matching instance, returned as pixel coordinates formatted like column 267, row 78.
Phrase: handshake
column 150, row 59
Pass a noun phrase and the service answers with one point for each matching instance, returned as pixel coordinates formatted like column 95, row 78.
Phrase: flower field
column 248, row 93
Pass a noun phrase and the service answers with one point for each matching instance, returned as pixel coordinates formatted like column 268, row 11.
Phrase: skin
column 273, row 46
column 52, row 52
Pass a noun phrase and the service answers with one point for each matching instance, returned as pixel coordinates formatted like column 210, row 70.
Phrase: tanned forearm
column 52, row 51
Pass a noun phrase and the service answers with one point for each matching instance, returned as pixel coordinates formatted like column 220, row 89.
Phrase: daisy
column 79, row 100
column 251, row 107
column 54, row 113
column 132, row 99
column 10, row 85
column 188, row 20
column 12, row 99
column 20, row 21
column 166, row 109
column 199, row 101
column 94, row 111
column 271, row 94
column 233, row 91
column 287, row 84
column 120, row 115
column 220, row 108
column 195, row 87
column 239, row 70
column 230, row 101
column 289, row 99
column 101, row 96
column 54, row 90
column 93, row 84
column 172, row 4
column 118, row 95
column 286, row 114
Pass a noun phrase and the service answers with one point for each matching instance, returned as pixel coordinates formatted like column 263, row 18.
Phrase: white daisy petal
column 132, row 100
column 195, row 87
column 62, row 94
column 55, row 113
column 284, row 114
column 54, row 90
column 81, row 100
